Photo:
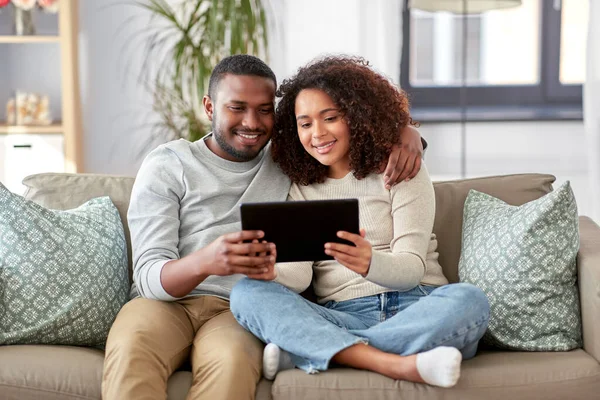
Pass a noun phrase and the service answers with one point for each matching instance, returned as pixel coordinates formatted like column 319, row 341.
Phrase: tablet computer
column 300, row 229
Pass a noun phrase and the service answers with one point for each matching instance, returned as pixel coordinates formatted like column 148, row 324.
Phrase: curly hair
column 374, row 109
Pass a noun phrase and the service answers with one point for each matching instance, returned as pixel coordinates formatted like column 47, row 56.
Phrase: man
column 188, row 250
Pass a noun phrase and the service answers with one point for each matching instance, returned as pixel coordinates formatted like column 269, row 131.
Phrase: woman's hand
column 358, row 258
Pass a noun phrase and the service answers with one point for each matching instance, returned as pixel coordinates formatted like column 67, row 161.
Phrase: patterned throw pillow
column 524, row 259
column 63, row 274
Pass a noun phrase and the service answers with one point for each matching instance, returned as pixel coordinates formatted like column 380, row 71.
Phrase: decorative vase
column 24, row 22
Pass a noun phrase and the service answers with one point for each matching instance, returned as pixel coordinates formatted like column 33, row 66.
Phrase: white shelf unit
column 57, row 147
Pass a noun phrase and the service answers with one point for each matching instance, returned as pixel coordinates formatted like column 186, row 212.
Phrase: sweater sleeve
column 413, row 212
column 153, row 218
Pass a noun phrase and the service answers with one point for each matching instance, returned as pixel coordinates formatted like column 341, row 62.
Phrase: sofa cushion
column 450, row 198
column 39, row 372
column 63, row 274
column 489, row 376
column 50, row 373
column 524, row 259
column 60, row 191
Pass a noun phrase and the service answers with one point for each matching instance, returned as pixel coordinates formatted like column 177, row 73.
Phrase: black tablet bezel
column 300, row 229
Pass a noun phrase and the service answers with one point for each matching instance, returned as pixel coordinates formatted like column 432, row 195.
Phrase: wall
column 553, row 147
column 116, row 108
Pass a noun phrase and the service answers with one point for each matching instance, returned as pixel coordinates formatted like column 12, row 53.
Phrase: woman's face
column 323, row 131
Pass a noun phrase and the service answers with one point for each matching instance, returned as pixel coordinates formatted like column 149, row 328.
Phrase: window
column 531, row 55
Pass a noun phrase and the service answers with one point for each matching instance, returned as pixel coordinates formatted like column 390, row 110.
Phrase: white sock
column 275, row 360
column 440, row 366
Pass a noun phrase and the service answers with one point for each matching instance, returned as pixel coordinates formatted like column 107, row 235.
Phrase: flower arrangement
column 23, row 21
column 25, row 5
column 50, row 6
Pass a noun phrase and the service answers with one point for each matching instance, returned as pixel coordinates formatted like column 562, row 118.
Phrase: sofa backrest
column 65, row 191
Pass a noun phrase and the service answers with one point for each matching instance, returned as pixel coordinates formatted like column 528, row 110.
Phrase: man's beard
column 229, row 149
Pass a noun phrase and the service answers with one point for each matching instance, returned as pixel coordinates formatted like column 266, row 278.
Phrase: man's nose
column 251, row 120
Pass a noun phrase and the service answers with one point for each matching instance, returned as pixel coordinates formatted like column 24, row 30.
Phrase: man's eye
column 235, row 108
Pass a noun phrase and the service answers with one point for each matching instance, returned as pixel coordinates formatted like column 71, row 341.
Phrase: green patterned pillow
column 63, row 274
column 524, row 259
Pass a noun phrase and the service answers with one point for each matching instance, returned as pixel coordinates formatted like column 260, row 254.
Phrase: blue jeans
column 402, row 323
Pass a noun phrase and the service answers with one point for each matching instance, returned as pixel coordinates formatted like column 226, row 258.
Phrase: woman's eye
column 330, row 119
column 266, row 111
column 304, row 126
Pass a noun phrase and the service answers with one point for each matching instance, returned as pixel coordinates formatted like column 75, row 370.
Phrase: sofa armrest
column 588, row 268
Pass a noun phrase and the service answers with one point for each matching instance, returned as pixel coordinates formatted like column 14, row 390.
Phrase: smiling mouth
column 247, row 136
column 325, row 146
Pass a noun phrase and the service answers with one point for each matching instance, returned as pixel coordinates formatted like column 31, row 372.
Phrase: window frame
column 549, row 93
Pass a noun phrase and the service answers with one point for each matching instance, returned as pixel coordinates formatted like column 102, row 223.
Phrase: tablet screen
column 300, row 229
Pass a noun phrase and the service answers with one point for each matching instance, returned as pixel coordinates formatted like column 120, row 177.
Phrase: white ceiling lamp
column 463, row 6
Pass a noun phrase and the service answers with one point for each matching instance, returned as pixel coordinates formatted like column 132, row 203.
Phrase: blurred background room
column 499, row 87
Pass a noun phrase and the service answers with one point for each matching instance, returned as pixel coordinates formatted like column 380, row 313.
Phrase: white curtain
column 591, row 106
column 381, row 35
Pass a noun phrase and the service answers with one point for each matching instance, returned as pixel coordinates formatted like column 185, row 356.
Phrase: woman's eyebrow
column 299, row 117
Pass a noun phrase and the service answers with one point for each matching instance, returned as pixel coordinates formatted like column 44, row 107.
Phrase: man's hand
column 229, row 255
column 404, row 162
column 358, row 258
column 270, row 274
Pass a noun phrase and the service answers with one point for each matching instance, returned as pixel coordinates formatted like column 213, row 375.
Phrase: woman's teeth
column 325, row 146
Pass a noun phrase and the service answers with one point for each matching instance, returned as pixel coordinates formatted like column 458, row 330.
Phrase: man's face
column 242, row 116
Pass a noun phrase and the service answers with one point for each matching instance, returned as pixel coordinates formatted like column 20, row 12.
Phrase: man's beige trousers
column 151, row 339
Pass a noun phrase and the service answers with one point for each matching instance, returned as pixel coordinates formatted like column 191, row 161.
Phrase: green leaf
column 183, row 43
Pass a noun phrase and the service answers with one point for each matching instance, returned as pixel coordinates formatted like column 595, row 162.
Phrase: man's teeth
column 248, row 136
column 325, row 146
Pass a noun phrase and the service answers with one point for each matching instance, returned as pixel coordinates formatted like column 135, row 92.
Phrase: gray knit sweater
column 184, row 197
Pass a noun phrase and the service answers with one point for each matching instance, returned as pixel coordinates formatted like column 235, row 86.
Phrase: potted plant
column 190, row 38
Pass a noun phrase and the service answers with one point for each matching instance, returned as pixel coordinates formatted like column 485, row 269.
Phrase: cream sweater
column 398, row 224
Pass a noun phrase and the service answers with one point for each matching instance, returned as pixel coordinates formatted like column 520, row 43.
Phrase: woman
column 384, row 304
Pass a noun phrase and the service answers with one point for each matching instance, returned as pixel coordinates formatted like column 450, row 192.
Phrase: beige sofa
column 61, row 372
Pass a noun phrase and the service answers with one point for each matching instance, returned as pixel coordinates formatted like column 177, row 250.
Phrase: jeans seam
column 476, row 325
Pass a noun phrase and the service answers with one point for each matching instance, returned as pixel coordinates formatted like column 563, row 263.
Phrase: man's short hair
column 239, row 64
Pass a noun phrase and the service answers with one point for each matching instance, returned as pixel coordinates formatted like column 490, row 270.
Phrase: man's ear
column 208, row 107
